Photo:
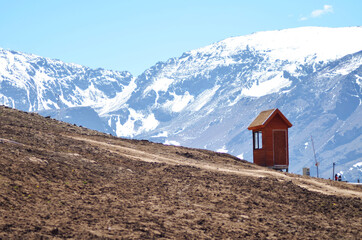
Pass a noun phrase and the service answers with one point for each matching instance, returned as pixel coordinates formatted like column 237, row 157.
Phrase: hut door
column 280, row 147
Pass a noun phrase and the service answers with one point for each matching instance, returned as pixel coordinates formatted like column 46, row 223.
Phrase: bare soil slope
column 61, row 181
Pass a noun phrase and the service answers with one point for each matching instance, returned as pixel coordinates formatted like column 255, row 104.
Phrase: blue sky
column 134, row 35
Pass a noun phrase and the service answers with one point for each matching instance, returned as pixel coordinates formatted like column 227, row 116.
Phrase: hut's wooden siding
column 259, row 157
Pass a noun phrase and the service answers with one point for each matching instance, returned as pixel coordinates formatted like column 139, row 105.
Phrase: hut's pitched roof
column 264, row 117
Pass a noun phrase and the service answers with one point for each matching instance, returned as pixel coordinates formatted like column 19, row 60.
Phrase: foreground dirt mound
column 62, row 181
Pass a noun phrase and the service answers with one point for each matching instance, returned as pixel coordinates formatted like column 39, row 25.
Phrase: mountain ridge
column 206, row 98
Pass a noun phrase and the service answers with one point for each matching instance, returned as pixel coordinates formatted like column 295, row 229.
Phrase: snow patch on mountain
column 172, row 142
column 358, row 165
column 352, row 65
column 160, row 84
column 203, row 98
column 91, row 95
column 161, row 134
column 222, row 150
column 179, row 102
column 136, row 123
column 270, row 86
column 114, row 104
column 7, row 101
column 358, row 80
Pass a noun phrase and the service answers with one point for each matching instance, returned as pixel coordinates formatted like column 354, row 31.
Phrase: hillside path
column 311, row 184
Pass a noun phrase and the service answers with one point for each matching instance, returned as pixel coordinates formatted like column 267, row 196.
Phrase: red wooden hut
column 270, row 139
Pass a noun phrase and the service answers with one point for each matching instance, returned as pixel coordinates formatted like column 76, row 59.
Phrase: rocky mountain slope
column 33, row 83
column 58, row 180
column 224, row 86
column 207, row 97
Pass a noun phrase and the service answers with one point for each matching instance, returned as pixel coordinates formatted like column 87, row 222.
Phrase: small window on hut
column 258, row 142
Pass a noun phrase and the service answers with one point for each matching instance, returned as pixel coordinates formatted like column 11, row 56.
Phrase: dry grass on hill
column 62, row 181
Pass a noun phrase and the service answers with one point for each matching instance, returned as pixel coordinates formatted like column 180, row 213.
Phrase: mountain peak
column 294, row 44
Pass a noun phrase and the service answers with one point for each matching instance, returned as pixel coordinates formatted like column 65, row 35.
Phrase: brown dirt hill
column 61, row 181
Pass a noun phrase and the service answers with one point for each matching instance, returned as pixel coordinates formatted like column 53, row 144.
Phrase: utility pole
column 315, row 158
column 334, row 164
column 60, row 108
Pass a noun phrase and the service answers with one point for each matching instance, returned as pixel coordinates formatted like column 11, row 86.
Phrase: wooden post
column 315, row 158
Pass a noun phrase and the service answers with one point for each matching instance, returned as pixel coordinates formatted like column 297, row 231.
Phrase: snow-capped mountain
column 32, row 83
column 207, row 97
